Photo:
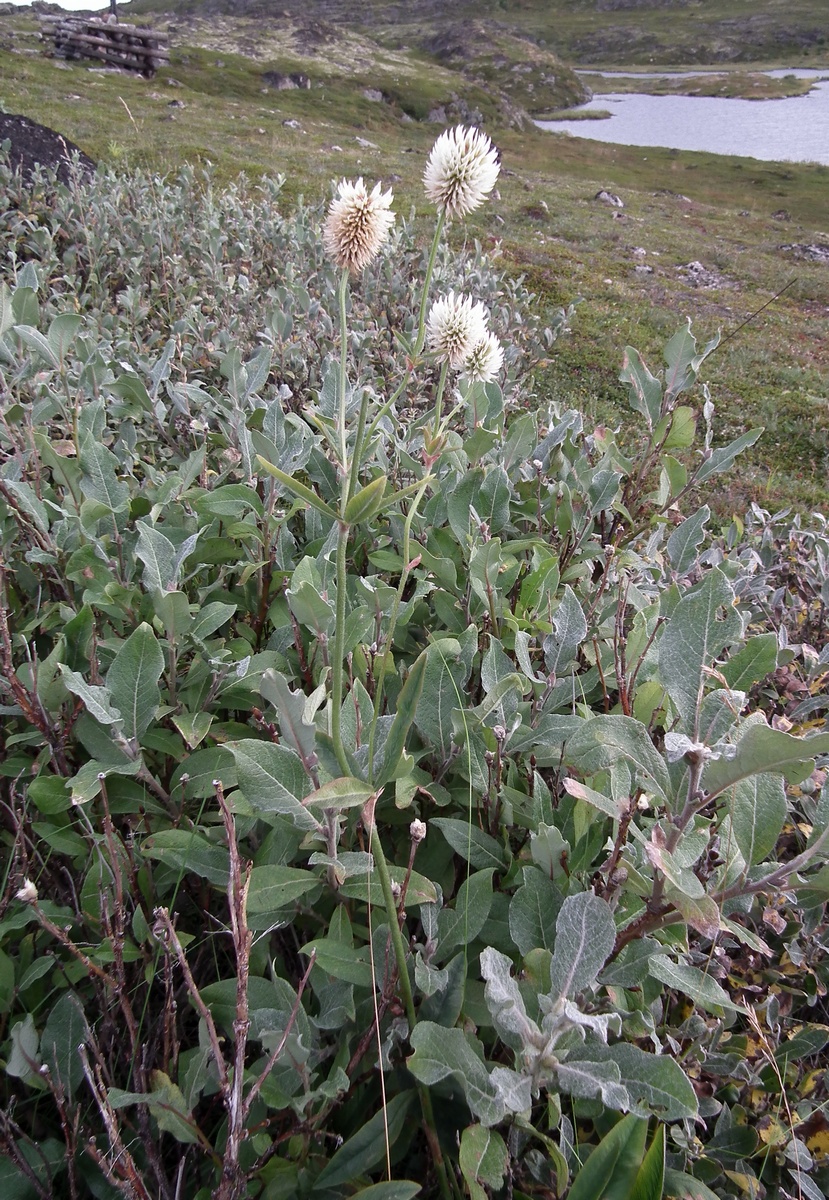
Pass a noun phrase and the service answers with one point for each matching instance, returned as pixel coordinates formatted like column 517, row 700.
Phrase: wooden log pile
column 115, row 43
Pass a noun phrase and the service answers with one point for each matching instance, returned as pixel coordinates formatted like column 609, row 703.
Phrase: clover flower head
column 461, row 170
column 455, row 324
column 357, row 224
column 484, row 360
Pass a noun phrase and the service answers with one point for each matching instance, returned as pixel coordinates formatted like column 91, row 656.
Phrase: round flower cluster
column 357, row 224
column 461, row 170
column 457, row 334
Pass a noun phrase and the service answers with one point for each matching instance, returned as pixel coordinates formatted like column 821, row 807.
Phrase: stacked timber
column 115, row 43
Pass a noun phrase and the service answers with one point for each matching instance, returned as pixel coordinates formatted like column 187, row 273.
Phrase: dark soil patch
column 33, row 145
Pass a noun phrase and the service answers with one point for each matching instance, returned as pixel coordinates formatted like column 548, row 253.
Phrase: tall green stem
column 337, row 651
column 342, row 541
column 342, row 295
column 408, row 999
column 444, row 369
column 404, row 576
column 424, row 299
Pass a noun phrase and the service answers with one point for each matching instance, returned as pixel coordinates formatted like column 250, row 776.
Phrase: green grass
column 679, row 206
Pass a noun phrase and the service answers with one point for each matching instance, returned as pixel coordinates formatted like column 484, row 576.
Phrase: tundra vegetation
column 412, row 784
column 407, row 789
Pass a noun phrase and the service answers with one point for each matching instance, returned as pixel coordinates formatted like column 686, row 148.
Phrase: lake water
column 791, row 130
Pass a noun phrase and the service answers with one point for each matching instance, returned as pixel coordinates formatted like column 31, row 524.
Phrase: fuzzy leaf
column 694, row 637
column 585, row 933
column 133, row 680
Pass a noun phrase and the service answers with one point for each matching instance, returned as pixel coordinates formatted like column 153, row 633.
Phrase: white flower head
column 357, row 224
column 454, row 326
column 461, row 171
column 27, row 893
column 484, row 360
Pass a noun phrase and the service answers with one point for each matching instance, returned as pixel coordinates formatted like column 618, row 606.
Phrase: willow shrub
column 514, row 918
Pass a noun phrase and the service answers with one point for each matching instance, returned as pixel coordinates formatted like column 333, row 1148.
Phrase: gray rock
column 372, row 94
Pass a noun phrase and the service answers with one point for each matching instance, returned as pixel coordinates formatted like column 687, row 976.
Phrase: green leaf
column 158, row 554
column 656, row 1081
column 399, row 1189
column 506, row 1004
column 758, row 813
column 683, row 544
column 99, row 481
column 7, row 317
column 405, row 713
column 97, row 700
column 34, row 340
column 570, row 630
column 616, row 1150
column 650, row 1181
column 683, row 429
column 440, row 1053
column 533, row 911
column 366, row 1148
column 295, row 725
column 682, row 362
column 169, row 1108
column 459, row 926
column 65, row 1031
column 483, row 1158
column 6, row 982
column 644, row 389
column 230, row 501
column 62, row 332
column 272, row 888
column 599, row 743
column 585, row 934
column 28, row 502
column 133, row 680
column 722, row 459
column 366, row 503
column 679, row 1186
column 340, row 794
column 341, row 960
column 23, row 1051
column 587, row 1080
column 701, row 988
column 443, row 690
column 273, row 780
column 694, row 637
column 298, row 489
column 804, row 1043
column 762, row 749
column 187, row 850
column 756, row 660
column 193, row 727
column 478, row 848
column 210, row 618
column 367, row 887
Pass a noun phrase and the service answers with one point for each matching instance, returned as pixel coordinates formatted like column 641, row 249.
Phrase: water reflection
column 795, row 129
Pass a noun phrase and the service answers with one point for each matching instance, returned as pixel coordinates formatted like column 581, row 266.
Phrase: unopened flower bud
column 417, row 831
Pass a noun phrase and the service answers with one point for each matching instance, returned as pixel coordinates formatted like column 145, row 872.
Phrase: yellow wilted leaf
column 818, row 1146
column 771, row 1132
column 747, row 1184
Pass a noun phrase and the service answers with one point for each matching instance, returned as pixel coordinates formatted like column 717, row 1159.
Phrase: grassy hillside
column 367, row 112
column 581, row 31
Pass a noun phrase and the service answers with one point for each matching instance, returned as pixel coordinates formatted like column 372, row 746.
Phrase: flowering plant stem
column 424, row 299
column 444, row 369
column 342, row 538
column 408, row 1000
column 401, row 587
